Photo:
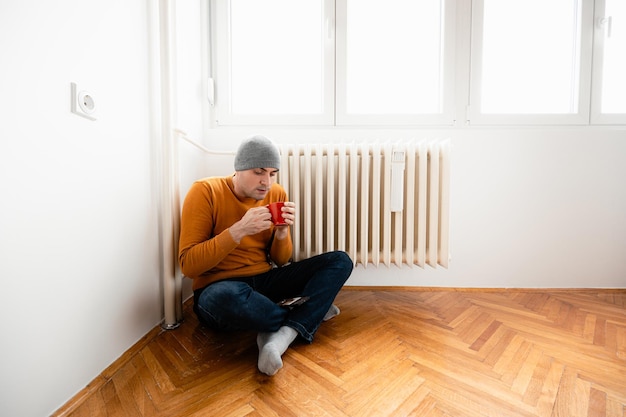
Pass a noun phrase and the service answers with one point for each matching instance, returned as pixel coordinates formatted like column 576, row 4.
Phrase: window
column 392, row 61
column 527, row 62
column 407, row 63
column 609, row 96
column 276, row 62
column 273, row 62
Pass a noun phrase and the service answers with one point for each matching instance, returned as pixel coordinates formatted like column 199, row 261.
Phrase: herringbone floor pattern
column 393, row 353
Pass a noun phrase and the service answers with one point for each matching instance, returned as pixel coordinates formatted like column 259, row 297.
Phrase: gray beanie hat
column 257, row 152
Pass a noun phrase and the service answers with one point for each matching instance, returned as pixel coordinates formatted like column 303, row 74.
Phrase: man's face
column 254, row 183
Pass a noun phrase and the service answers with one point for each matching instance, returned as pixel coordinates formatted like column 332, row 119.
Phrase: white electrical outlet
column 82, row 103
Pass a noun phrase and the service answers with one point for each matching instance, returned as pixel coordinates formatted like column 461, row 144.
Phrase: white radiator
column 379, row 202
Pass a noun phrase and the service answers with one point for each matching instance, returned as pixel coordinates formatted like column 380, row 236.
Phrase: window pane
column 276, row 57
column 530, row 56
column 394, row 57
column 614, row 65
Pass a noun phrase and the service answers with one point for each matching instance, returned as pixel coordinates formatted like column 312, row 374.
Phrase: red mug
column 277, row 213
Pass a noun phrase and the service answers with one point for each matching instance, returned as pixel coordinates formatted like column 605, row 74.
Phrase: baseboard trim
column 107, row 374
column 478, row 289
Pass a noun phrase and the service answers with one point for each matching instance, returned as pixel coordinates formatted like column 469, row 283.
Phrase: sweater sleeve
column 281, row 250
column 199, row 250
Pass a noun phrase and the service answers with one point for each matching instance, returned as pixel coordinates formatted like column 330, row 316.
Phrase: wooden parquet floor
column 392, row 353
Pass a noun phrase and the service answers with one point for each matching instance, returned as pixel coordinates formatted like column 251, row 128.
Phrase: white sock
column 332, row 312
column 271, row 348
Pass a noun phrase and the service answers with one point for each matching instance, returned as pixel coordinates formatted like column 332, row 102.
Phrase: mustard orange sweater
column 207, row 252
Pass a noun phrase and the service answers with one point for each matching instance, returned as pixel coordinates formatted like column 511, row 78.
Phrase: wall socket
column 82, row 103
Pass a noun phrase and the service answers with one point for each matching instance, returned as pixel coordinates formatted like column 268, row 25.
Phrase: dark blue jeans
column 250, row 303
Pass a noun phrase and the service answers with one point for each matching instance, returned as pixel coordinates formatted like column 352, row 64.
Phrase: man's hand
column 254, row 221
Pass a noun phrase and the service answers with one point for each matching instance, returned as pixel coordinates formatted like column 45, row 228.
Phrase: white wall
column 79, row 261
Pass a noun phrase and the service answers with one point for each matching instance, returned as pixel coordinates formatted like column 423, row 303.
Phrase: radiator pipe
column 169, row 176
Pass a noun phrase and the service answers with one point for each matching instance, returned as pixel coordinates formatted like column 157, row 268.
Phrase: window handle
column 606, row 23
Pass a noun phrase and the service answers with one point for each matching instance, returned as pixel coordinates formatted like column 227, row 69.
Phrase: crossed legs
column 250, row 304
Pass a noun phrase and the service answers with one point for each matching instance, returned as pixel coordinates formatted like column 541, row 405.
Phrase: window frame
column 220, row 19
column 334, row 114
column 597, row 117
column 581, row 117
column 462, row 65
column 445, row 117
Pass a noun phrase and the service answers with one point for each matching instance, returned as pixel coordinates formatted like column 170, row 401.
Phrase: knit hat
column 257, row 152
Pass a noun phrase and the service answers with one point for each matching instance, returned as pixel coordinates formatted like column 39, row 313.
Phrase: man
column 227, row 244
